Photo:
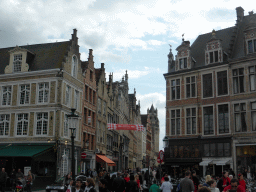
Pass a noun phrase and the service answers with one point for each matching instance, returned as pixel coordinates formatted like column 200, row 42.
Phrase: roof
column 46, row 56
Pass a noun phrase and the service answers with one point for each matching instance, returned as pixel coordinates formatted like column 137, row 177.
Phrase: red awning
column 103, row 158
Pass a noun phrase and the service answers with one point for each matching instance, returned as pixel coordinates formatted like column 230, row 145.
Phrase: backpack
column 178, row 188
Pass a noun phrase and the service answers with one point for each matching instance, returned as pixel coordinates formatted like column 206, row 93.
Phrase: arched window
column 74, row 66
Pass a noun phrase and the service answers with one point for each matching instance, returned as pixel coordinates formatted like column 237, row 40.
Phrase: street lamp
column 73, row 123
column 166, row 142
column 87, row 144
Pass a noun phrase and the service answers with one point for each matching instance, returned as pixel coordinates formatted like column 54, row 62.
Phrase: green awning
column 23, row 150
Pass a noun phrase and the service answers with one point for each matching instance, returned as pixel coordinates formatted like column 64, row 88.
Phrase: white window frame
column 175, row 118
column 253, row 74
column 190, row 86
column 45, row 91
column 99, row 105
column 213, row 112
column 237, row 76
column 16, row 60
column 202, row 88
column 74, row 66
column 218, row 128
column 182, row 60
column 42, row 120
column 77, row 100
column 23, row 120
column 185, row 112
column 26, row 90
column 8, row 95
column 246, row 118
column 213, row 51
column 247, row 45
column 68, row 95
column 175, row 88
column 216, row 77
column 65, row 162
column 65, row 126
column 4, row 121
column 253, row 111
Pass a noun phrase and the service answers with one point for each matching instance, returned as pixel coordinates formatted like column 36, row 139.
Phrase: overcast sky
column 131, row 35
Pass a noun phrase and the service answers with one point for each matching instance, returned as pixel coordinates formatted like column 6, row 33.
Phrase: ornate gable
column 213, row 51
column 183, row 57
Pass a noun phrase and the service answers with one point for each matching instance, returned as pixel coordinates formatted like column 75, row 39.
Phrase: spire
column 183, row 36
column 170, row 59
column 213, row 34
column 126, row 76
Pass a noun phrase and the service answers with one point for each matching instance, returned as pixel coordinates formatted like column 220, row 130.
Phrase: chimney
column 110, row 78
column 74, row 35
column 90, row 54
column 102, row 65
column 239, row 14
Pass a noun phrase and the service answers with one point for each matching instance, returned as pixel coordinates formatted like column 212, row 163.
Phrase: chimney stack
column 239, row 14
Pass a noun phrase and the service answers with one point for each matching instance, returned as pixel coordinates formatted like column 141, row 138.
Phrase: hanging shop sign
column 112, row 126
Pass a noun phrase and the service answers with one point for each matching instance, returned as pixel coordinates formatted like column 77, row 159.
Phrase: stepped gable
column 45, row 56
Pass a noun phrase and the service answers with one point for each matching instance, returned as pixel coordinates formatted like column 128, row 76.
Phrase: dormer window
column 252, row 46
column 214, row 57
column 183, row 63
column 17, row 62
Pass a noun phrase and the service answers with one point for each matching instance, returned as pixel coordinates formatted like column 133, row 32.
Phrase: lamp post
column 166, row 145
column 73, row 122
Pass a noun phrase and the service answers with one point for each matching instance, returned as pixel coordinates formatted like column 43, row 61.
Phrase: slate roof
column 46, row 56
column 232, row 41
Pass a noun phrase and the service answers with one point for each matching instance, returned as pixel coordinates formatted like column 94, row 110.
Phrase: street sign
column 158, row 159
column 161, row 155
column 83, row 155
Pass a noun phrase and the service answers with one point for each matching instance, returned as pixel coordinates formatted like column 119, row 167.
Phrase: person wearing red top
column 162, row 180
column 138, row 181
column 234, row 186
column 127, row 178
column 224, row 181
column 241, row 180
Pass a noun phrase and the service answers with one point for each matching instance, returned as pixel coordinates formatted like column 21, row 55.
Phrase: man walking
column 3, row 179
column 118, row 184
column 77, row 188
column 186, row 185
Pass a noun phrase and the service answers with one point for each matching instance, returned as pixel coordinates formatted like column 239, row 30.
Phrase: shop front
column 103, row 162
column 88, row 162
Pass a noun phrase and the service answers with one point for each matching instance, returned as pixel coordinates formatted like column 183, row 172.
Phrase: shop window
column 208, row 120
column 209, row 150
column 191, row 87
column 223, row 121
column 181, row 151
column 238, row 80
column 186, row 151
column 175, row 122
column 240, row 117
column 175, row 89
column 222, row 80
column 207, row 85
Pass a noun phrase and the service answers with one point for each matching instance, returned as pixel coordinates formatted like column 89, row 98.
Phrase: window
column 77, row 100
column 209, row 150
column 98, row 135
column 74, row 66
column 183, row 63
column 252, row 78
column 7, row 93
column 104, row 107
column 222, row 83
column 253, row 111
column 220, row 149
column 43, row 89
column 91, row 75
column 4, row 124
column 65, row 128
column 17, row 61
column 99, row 105
column 90, row 95
column 191, row 120
column 85, row 116
column 223, row 114
column 68, row 95
column 191, row 86
column 175, row 122
column 175, row 89
column 224, row 149
column 238, row 80
column 208, row 120
column 252, row 46
column 240, row 117
column 41, row 123
column 86, row 92
column 207, row 85
column 22, row 124
column 94, row 97
column 24, row 94
column 214, row 56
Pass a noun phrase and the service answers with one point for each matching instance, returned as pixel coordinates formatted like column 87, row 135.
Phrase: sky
column 124, row 34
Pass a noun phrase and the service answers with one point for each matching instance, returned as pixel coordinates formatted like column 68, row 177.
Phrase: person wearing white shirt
column 69, row 186
column 166, row 185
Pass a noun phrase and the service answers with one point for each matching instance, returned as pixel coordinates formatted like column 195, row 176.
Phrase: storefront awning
column 23, row 150
column 222, row 162
column 103, row 158
column 205, row 162
column 229, row 162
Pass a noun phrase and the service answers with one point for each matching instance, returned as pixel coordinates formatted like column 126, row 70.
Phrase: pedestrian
column 67, row 179
column 3, row 179
column 186, row 184
column 29, row 180
column 230, row 177
column 204, row 189
column 69, row 186
column 108, row 179
column 140, row 178
column 137, row 179
column 13, row 178
column 154, row 173
column 212, row 184
column 103, row 185
column 234, row 186
column 154, row 187
column 207, row 179
column 195, row 180
column 118, row 184
column 224, row 181
column 164, row 175
column 100, row 174
column 19, row 174
column 166, row 185
column 94, row 174
column 132, row 185
column 78, row 186
column 111, row 181
column 241, row 180
column 126, row 177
